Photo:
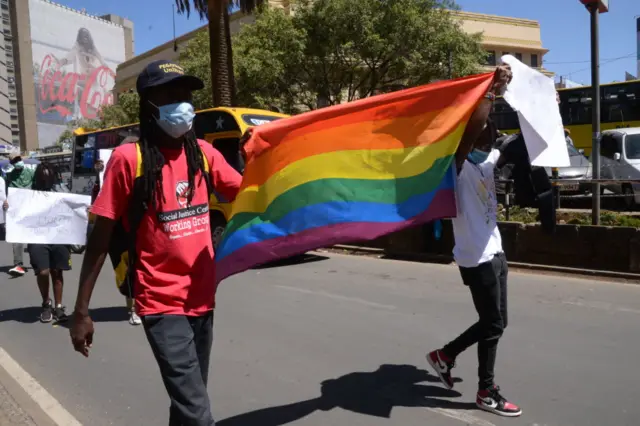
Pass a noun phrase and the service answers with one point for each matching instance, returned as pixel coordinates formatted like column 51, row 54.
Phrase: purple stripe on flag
column 443, row 205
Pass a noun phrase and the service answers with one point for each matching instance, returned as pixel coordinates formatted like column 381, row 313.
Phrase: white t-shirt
column 477, row 238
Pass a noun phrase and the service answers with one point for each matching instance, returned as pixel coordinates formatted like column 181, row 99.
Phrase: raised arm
column 479, row 117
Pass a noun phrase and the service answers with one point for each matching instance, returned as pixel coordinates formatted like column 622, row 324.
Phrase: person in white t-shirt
column 479, row 255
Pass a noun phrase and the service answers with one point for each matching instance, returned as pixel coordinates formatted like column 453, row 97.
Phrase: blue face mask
column 176, row 119
column 19, row 165
column 477, row 157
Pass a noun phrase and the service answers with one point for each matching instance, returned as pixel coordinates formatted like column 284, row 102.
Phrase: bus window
column 84, row 154
column 214, row 122
column 256, row 120
column 504, row 117
column 621, row 102
column 575, row 106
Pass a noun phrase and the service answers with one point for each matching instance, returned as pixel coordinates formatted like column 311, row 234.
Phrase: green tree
column 67, row 134
column 331, row 51
column 196, row 61
column 125, row 111
column 217, row 12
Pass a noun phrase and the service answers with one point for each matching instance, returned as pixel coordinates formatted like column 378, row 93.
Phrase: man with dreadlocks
column 171, row 257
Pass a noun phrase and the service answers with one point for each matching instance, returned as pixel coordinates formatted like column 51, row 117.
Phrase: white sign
column 533, row 96
column 104, row 155
column 37, row 217
column 3, row 197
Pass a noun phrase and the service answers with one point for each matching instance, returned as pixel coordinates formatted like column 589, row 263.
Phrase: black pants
column 488, row 285
column 182, row 348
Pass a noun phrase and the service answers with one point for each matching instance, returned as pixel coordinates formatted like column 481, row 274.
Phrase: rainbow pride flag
column 350, row 172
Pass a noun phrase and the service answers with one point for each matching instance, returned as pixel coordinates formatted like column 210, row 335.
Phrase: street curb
column 25, row 411
column 561, row 270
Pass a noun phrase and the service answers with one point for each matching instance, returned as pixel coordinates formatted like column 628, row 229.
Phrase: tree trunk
column 222, row 79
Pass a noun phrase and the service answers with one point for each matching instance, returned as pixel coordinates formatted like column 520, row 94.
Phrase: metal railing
column 580, row 191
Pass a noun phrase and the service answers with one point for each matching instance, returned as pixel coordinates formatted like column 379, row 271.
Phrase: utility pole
column 595, row 7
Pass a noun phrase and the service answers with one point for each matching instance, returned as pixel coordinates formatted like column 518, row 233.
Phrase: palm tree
column 217, row 12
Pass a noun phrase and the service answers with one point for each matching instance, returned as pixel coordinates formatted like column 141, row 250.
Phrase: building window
column 534, row 60
column 519, row 56
column 491, row 57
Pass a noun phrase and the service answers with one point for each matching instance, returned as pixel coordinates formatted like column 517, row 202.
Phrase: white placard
column 533, row 95
column 37, row 217
column 3, row 197
column 104, row 155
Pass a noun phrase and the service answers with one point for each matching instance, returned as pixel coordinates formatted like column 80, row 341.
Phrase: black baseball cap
column 161, row 72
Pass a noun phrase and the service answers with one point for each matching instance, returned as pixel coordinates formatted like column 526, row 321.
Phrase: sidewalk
column 17, row 408
column 11, row 414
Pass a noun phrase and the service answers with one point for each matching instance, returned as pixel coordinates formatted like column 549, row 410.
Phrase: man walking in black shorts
column 478, row 252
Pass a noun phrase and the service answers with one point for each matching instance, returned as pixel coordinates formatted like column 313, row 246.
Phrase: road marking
column 601, row 306
column 462, row 416
column 338, row 297
column 48, row 403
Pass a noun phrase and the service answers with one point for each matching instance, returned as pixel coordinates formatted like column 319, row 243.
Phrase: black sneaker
column 47, row 312
column 442, row 364
column 490, row 400
column 59, row 314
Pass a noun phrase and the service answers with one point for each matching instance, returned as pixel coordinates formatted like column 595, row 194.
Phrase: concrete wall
column 584, row 247
column 127, row 72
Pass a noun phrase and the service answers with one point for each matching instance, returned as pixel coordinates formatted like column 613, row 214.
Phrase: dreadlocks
column 148, row 187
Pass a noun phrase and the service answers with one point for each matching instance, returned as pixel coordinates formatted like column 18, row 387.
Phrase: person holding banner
column 49, row 260
column 479, row 254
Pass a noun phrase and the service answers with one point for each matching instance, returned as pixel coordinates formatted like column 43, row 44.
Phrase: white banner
column 37, row 217
column 104, row 155
column 533, row 95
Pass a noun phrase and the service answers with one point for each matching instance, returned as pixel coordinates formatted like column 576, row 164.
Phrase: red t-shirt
column 175, row 268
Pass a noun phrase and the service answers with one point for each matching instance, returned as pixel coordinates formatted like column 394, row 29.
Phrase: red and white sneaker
column 442, row 364
column 490, row 400
column 17, row 271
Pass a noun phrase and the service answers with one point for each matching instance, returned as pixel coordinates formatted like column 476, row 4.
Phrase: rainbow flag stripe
column 350, row 172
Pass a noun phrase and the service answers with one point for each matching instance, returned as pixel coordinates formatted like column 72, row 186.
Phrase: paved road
column 341, row 341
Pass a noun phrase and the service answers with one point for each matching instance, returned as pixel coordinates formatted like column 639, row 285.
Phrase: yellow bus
column 619, row 107
column 222, row 127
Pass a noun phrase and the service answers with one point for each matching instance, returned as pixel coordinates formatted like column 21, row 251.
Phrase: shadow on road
column 27, row 314
column 31, row 314
column 369, row 393
column 294, row 260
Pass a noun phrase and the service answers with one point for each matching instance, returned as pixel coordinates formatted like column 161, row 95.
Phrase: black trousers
column 182, row 348
column 488, row 285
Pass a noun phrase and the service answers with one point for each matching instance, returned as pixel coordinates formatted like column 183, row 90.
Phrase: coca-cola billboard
column 75, row 56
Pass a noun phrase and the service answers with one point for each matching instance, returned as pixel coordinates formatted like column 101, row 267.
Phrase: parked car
column 620, row 159
column 580, row 169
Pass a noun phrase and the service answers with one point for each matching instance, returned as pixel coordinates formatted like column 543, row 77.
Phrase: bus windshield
column 620, row 107
column 222, row 127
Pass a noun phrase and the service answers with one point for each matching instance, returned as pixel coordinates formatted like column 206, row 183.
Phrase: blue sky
column 564, row 24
